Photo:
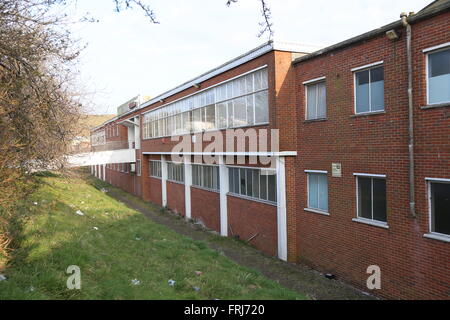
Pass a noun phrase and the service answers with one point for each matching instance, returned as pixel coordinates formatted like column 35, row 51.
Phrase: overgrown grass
column 126, row 246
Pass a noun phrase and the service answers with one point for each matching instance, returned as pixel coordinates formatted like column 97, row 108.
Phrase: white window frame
column 313, row 82
column 315, row 210
column 151, row 171
column 376, row 223
column 432, row 234
column 173, row 163
column 364, row 68
column 428, row 51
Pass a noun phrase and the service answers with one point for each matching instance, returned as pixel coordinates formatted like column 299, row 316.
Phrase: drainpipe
column 412, row 202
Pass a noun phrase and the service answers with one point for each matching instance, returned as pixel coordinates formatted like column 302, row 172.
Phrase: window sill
column 270, row 203
column 371, row 222
column 437, row 105
column 357, row 115
column 437, row 236
column 205, row 189
column 315, row 120
column 324, row 213
column 177, row 182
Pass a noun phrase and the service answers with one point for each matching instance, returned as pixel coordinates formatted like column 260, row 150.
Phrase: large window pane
column 261, row 107
column 379, row 200
column 272, row 186
column 362, row 91
column 222, row 115
column 365, row 197
column 240, row 112
column 323, row 192
column 313, row 190
column 440, row 208
column 312, row 101
column 377, row 89
column 439, row 77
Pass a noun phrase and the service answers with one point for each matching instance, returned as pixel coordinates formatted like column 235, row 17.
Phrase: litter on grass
column 135, row 282
column 198, row 273
column 196, row 288
column 95, row 228
column 171, row 282
column 2, row 277
column 79, row 213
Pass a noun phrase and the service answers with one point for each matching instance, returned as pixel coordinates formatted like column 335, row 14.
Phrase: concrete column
column 104, row 172
column 187, row 185
column 95, row 171
column 164, row 180
column 281, row 208
column 224, row 188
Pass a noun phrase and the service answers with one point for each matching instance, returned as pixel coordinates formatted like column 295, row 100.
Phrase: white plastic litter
column 196, row 288
column 2, row 277
column 138, row 239
column 95, row 228
column 79, row 213
column 35, row 203
column 103, row 190
column 171, row 282
column 135, row 282
column 31, row 289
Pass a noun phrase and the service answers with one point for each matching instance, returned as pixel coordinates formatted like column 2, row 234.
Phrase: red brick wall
column 247, row 218
column 205, row 206
column 155, row 190
column 175, row 197
column 121, row 180
column 412, row 267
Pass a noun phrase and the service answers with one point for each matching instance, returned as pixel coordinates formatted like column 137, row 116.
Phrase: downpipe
column 412, row 202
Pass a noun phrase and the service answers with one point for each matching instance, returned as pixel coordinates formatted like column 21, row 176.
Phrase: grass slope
column 126, row 246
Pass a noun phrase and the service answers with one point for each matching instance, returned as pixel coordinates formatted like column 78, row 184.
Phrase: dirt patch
column 292, row 276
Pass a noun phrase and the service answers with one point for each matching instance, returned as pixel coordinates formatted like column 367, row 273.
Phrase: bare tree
column 266, row 24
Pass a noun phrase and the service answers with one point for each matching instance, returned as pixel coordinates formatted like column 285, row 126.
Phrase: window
column 316, row 101
column 138, row 167
column 236, row 103
column 318, row 191
column 439, row 77
column 371, row 198
column 440, row 207
column 369, row 90
column 255, row 183
column 155, row 169
column 175, row 172
column 205, row 176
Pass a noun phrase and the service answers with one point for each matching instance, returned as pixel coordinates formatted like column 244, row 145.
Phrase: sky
column 127, row 55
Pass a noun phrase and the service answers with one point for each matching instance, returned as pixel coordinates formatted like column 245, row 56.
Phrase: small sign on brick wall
column 336, row 170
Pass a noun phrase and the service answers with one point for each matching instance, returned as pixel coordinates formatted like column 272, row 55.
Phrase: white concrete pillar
column 281, row 208
column 224, row 189
column 95, row 171
column 164, row 180
column 187, row 186
column 104, row 172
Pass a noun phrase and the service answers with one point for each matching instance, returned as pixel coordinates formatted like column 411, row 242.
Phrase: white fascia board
column 259, row 154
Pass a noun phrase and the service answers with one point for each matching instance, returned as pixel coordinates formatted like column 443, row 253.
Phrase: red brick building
column 361, row 179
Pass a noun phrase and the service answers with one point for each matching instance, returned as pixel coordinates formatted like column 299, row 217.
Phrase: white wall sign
column 337, row 170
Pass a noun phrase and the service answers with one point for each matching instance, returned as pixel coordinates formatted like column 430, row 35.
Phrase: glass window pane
column 240, row 112
column 256, row 174
column 261, row 107
column 210, row 117
column 272, row 184
column 313, row 190
column 362, row 91
column 377, row 89
column 249, row 180
column 237, row 182
column 231, row 179
column 440, row 193
column 379, row 200
column 365, row 197
column 250, row 109
column 264, row 79
column 242, row 177
column 321, row 100
column 222, row 115
column 439, row 77
column 311, row 102
column 323, row 192
column 263, row 186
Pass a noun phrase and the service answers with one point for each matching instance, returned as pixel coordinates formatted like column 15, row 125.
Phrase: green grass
column 52, row 237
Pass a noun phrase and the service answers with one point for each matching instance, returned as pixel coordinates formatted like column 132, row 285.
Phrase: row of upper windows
column 112, row 131
column 371, row 204
column 369, row 87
